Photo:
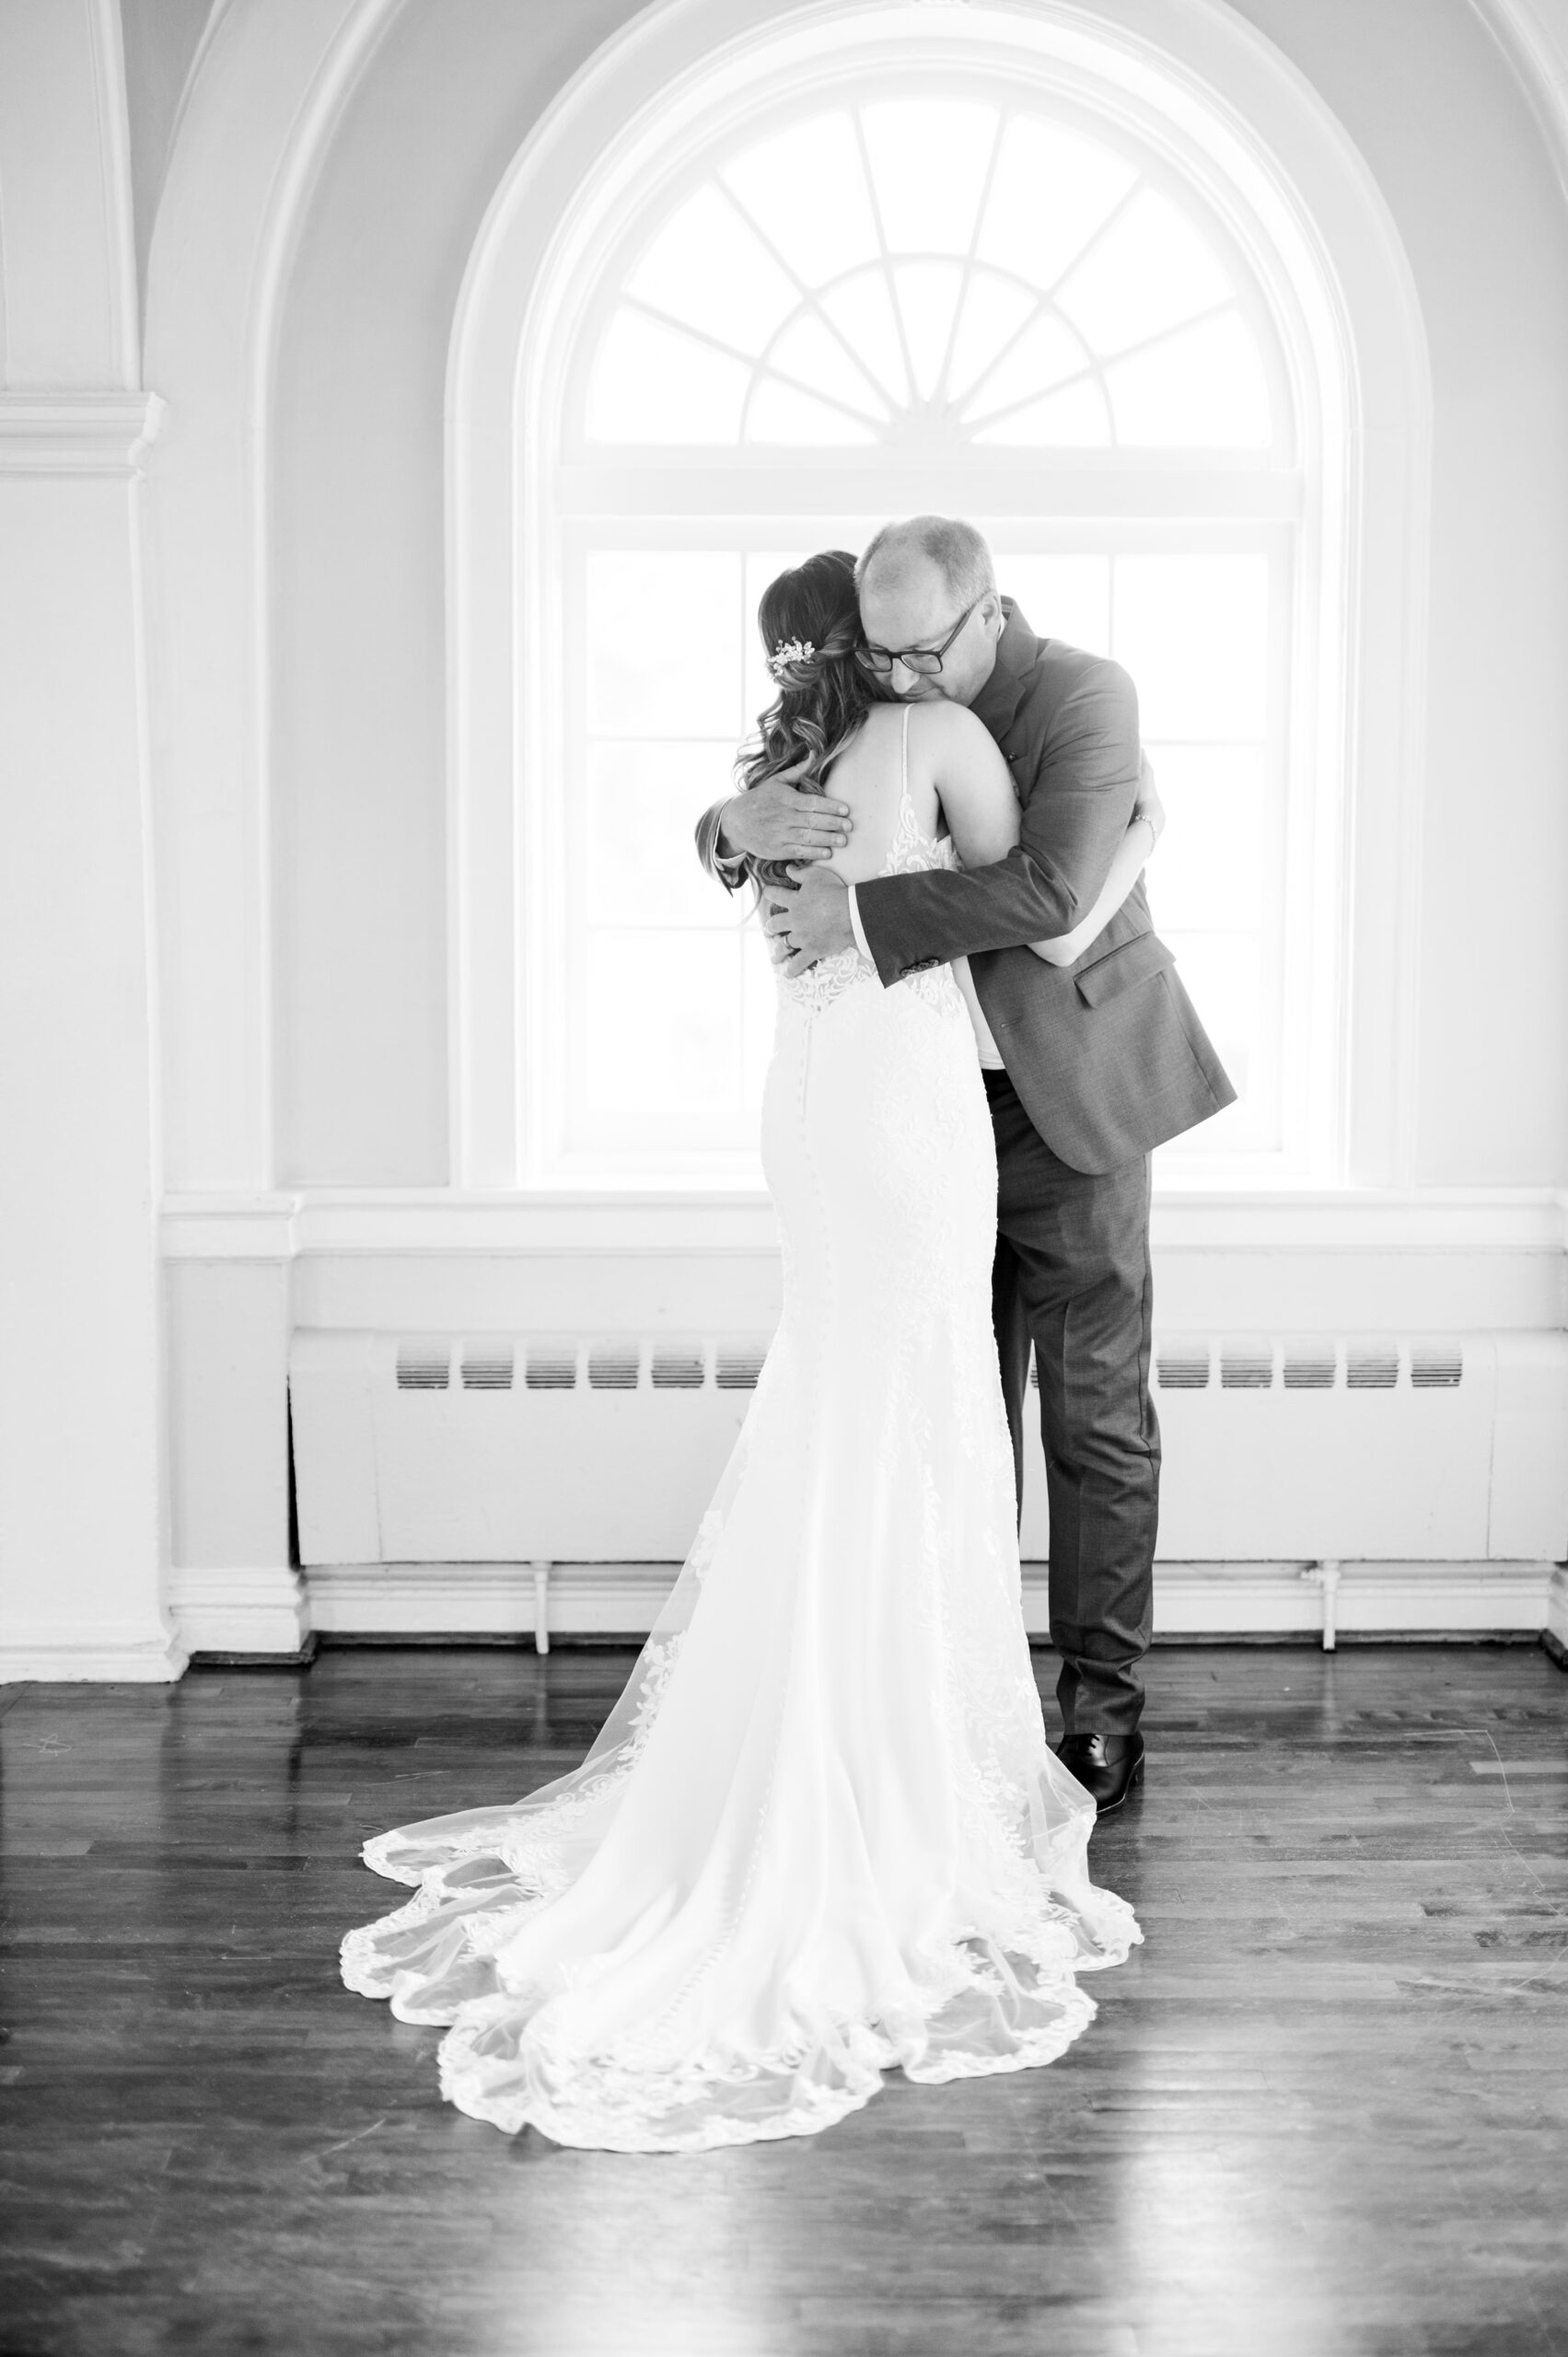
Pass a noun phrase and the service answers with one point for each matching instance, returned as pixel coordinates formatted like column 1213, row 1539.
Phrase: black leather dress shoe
column 1106, row 1765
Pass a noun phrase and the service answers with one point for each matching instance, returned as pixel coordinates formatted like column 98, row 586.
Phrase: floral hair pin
column 788, row 651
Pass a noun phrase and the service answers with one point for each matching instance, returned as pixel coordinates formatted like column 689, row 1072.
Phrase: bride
column 821, row 1834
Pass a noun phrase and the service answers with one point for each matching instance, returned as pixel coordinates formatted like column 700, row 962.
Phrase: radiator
column 528, row 1451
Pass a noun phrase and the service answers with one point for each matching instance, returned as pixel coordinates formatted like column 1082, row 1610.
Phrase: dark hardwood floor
column 1324, row 2110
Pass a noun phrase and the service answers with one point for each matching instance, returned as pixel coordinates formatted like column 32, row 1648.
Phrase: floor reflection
column 1219, row 2246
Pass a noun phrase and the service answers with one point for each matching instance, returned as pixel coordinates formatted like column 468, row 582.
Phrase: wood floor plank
column 1322, row 2113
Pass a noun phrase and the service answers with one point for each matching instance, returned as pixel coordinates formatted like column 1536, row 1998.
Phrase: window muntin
column 828, row 286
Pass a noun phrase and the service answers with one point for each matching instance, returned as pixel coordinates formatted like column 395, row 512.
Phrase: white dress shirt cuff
column 858, row 929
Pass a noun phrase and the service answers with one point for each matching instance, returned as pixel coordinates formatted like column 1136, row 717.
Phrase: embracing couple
column 822, row 1833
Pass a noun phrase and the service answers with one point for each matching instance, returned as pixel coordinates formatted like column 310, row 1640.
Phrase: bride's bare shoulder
column 946, row 734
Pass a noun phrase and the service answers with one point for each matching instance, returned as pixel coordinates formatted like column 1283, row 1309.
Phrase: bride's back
column 868, row 777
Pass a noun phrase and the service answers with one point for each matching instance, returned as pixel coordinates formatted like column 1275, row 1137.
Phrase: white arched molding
column 267, row 92
column 1224, row 107
column 1534, row 40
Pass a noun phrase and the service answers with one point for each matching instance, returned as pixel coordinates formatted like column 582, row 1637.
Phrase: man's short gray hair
column 955, row 548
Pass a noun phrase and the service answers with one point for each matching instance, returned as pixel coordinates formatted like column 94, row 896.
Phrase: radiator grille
column 1246, row 1366
column 612, row 1366
column 1310, row 1365
column 1306, row 1363
column 552, row 1366
column 1182, row 1366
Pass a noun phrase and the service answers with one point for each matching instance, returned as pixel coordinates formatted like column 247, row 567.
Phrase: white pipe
column 1326, row 1577
column 541, row 1603
column 1330, row 1596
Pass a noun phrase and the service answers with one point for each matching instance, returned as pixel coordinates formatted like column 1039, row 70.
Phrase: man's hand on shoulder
column 812, row 923
column 774, row 820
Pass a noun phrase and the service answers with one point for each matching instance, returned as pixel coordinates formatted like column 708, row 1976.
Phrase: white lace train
column 821, row 1834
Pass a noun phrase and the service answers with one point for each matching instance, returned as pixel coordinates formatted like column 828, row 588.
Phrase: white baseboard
column 1284, row 1600
column 1364, row 1599
column 46, row 1660
column 263, row 1610
column 485, row 1599
column 1557, row 1607
column 270, row 1609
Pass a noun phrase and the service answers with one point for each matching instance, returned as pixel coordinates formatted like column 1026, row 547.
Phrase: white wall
column 1425, row 92
column 359, row 753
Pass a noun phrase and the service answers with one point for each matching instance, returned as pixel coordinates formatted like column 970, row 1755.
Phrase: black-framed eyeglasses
column 925, row 660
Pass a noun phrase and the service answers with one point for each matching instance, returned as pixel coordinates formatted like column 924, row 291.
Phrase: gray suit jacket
column 1108, row 1055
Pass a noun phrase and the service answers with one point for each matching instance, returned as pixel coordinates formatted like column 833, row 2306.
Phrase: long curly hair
column 824, row 695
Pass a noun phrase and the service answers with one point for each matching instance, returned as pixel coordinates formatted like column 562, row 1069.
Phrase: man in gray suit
column 1096, row 1064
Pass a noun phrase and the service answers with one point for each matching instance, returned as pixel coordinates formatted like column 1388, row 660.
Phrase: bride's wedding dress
column 821, row 1834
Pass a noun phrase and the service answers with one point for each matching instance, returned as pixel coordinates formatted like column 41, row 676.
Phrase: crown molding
column 77, row 433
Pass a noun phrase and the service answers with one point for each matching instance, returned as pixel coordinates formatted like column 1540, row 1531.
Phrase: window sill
column 1189, row 1215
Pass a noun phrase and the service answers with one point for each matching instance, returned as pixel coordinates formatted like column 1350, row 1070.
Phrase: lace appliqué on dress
column 911, row 853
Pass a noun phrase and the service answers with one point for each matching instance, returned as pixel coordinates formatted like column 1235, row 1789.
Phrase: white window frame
column 1341, row 295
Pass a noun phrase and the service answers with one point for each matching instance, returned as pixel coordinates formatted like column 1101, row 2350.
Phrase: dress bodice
column 911, row 853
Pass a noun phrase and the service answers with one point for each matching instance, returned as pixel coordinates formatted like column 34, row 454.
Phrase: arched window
column 914, row 259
